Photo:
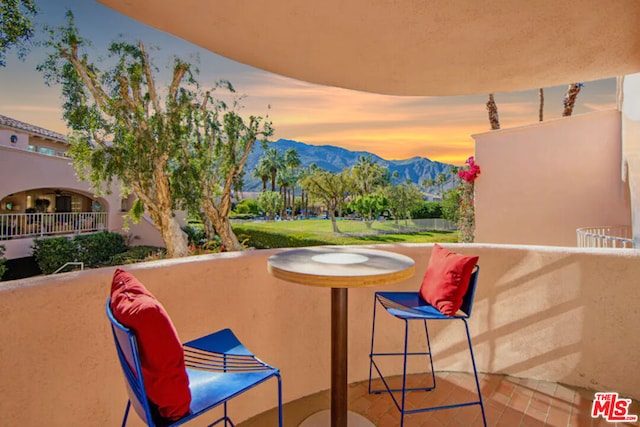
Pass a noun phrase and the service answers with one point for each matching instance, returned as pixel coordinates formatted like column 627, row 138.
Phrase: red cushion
column 447, row 279
column 161, row 352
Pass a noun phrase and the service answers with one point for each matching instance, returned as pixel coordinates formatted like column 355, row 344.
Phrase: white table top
column 341, row 266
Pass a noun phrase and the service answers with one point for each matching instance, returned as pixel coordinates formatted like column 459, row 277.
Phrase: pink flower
column 470, row 174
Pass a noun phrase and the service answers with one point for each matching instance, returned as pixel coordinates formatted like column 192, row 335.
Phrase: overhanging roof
column 411, row 47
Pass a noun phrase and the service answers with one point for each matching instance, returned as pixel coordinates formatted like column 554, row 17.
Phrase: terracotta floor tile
column 509, row 402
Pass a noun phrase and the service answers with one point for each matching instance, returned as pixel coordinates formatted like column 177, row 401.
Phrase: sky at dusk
column 393, row 127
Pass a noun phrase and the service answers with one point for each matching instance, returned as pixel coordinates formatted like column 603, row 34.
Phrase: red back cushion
column 161, row 352
column 447, row 279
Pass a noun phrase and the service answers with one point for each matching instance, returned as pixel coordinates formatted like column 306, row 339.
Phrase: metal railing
column 73, row 264
column 28, row 225
column 605, row 237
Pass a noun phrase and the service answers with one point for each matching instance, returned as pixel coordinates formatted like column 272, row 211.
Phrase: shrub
column 53, row 253
column 260, row 239
column 195, row 234
column 95, row 250
column 138, row 254
column 3, row 268
column 427, row 210
column 241, row 216
column 249, row 206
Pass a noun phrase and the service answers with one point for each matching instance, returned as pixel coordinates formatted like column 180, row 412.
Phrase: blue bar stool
column 410, row 306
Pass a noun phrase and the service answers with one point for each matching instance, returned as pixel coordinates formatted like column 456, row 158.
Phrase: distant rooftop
column 32, row 129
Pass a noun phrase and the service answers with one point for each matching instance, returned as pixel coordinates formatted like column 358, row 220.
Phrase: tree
column 403, row 199
column 441, row 179
column 540, row 104
column 367, row 174
column 182, row 149
column 492, row 109
column 328, row 188
column 570, row 98
column 269, row 202
column 16, row 28
column 284, row 180
column 451, row 205
column 273, row 162
column 212, row 160
column 262, row 172
column 370, row 206
column 292, row 162
column 122, row 128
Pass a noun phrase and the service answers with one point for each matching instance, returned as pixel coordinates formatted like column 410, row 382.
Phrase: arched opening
column 49, row 211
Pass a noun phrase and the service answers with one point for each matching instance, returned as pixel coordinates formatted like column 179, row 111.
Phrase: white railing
column 22, row 225
column 605, row 237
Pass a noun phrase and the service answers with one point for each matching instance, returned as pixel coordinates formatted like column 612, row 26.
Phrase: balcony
column 545, row 317
column 29, row 225
column 605, row 237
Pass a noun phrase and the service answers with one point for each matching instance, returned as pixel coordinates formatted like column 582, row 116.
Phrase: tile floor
column 509, row 402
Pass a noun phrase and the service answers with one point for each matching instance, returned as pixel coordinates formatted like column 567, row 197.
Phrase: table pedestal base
column 323, row 419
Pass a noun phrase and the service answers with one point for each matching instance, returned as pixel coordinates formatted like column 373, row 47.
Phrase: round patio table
column 340, row 268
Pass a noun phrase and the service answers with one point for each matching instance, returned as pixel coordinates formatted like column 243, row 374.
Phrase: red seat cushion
column 161, row 352
column 447, row 279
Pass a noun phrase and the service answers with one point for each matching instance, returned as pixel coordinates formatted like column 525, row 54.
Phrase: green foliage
column 95, row 250
column 451, row 206
column 3, row 260
column 241, row 216
column 195, row 234
column 281, row 234
column 270, row 202
column 331, row 189
column 427, row 210
column 138, row 254
column 53, row 253
column 366, row 175
column 249, row 206
column 370, row 206
column 403, row 199
column 175, row 147
column 16, row 27
column 264, row 239
column 241, row 209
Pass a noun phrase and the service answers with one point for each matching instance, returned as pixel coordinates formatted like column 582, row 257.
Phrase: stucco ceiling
column 411, row 47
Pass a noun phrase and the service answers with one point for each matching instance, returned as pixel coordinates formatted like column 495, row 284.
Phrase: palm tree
column 570, row 98
column 262, row 172
column 273, row 162
column 441, row 179
column 367, row 174
column 292, row 161
column 492, row 109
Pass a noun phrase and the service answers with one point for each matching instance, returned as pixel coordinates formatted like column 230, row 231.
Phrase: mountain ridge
column 335, row 159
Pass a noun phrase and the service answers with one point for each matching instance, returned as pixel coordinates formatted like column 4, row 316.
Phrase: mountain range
column 335, row 159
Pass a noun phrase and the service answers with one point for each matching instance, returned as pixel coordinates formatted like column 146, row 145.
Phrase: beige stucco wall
column 631, row 146
column 558, row 314
column 541, row 182
column 24, row 170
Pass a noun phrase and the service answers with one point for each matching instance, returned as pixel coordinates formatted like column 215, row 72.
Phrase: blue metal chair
column 410, row 306
column 219, row 368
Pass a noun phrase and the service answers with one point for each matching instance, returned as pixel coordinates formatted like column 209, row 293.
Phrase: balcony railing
column 605, row 237
column 24, row 225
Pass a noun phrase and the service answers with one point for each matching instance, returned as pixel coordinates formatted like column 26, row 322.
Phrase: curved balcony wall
column 560, row 314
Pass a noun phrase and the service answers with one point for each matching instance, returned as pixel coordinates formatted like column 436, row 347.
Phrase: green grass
column 272, row 234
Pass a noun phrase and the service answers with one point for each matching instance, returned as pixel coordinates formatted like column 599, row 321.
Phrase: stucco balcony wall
column 541, row 182
column 560, row 314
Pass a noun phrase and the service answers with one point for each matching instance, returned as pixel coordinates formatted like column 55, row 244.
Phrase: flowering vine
column 466, row 222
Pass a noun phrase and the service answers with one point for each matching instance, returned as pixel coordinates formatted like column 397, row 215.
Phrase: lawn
column 272, row 234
